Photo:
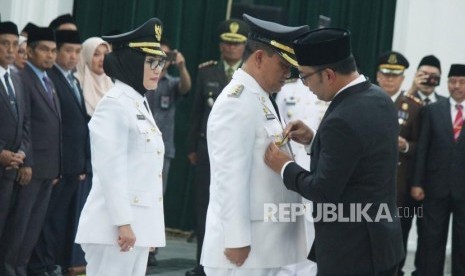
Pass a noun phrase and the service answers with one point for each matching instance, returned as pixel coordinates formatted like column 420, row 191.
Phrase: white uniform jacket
column 127, row 161
column 241, row 125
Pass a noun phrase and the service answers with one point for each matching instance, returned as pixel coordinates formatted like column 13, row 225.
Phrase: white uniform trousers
column 241, row 271
column 108, row 260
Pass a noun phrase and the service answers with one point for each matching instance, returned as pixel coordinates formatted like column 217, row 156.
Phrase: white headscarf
column 93, row 86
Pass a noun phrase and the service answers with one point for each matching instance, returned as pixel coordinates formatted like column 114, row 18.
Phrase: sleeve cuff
column 284, row 167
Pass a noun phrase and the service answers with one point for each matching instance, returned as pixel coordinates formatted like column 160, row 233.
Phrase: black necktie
column 11, row 95
column 427, row 101
column 75, row 89
column 275, row 106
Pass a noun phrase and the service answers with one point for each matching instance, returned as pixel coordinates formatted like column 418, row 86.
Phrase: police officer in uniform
column 212, row 77
column 390, row 75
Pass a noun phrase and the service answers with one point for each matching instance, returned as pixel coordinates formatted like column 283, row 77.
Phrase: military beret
column 8, row 27
column 29, row 27
column 40, row 34
column 278, row 36
column 430, row 61
column 233, row 31
column 323, row 46
column 145, row 39
column 457, row 70
column 68, row 36
column 62, row 19
column 392, row 62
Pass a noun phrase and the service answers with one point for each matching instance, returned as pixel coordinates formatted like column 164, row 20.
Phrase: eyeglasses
column 303, row 78
column 156, row 63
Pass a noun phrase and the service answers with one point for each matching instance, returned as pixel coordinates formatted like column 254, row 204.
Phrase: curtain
column 190, row 26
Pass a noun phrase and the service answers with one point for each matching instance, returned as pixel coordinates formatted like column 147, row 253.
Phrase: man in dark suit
column 440, row 176
column 426, row 80
column 57, row 238
column 354, row 161
column 390, row 75
column 13, row 124
column 212, row 77
column 43, row 109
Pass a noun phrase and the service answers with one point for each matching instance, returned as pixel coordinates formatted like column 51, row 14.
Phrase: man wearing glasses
column 354, row 161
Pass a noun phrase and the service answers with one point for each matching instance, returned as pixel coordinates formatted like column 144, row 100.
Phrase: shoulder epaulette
column 413, row 98
column 291, row 80
column 236, row 91
column 207, row 63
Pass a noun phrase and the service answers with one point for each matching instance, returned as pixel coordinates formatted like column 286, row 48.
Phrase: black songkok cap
column 62, row 19
column 40, row 34
column 29, row 28
column 457, row 70
column 323, row 46
column 145, row 39
column 68, row 36
column 233, row 31
column 431, row 61
column 8, row 27
column 392, row 63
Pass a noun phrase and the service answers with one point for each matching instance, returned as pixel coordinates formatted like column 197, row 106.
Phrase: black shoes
column 196, row 271
column 152, row 261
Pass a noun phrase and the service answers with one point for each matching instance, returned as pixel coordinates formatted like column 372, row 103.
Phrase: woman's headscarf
column 93, row 86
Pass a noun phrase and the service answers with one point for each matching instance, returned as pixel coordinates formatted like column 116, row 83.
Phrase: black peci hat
column 62, row 19
column 145, row 39
column 430, row 61
column 40, row 34
column 8, row 27
column 392, row 62
column 323, row 46
column 68, row 36
column 457, row 70
column 29, row 28
column 233, row 31
column 278, row 36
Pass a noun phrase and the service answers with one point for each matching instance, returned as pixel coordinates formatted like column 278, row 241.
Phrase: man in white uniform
column 243, row 237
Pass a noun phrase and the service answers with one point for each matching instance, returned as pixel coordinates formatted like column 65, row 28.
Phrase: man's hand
column 82, row 177
column 417, row 193
column 10, row 160
column 192, row 158
column 180, row 62
column 126, row 238
column 55, row 181
column 402, row 144
column 299, row 132
column 276, row 158
column 237, row 256
column 24, row 175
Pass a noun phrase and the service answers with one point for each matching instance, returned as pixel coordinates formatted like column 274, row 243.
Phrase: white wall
column 424, row 27
column 39, row 12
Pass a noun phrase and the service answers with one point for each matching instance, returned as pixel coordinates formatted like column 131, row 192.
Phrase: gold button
column 153, row 129
column 136, row 200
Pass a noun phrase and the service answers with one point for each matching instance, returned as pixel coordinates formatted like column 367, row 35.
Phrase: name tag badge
column 270, row 116
column 140, row 117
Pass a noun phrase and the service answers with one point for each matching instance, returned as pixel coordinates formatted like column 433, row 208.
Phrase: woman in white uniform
column 123, row 215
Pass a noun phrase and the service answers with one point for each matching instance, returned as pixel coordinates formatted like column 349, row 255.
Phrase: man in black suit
column 43, row 110
column 212, row 77
column 13, row 124
column 440, row 177
column 354, row 161
column 426, row 80
column 56, row 241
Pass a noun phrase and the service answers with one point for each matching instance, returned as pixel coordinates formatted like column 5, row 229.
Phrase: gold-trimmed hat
column 145, row 39
column 233, row 31
column 392, row 62
column 278, row 36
